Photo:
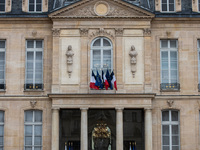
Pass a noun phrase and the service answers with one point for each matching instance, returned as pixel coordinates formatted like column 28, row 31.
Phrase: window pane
column 165, row 140
column 171, row 7
column 173, row 44
column 38, row 44
column 165, row 129
column 166, row 148
column 1, row 130
column 38, row 130
column 38, row 140
column 1, row 116
column 164, row 1
column 106, row 42
column 171, row 1
column 30, row 55
column 2, row 44
column 38, row 1
column 175, row 140
column 107, row 59
column 31, row 1
column 38, row 116
column 175, row 129
column 96, row 59
column 165, row 116
column 164, row 43
column 28, row 140
column 28, row 130
column 2, row 7
column 38, row 7
column 174, row 115
column 164, row 7
column 38, row 148
column 31, row 8
column 175, row 147
column 1, row 140
column 97, row 43
column 30, row 44
column 29, row 116
column 28, row 148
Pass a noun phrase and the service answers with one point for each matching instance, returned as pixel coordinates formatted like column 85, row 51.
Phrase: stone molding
column 170, row 103
column 101, row 32
column 33, row 103
column 56, row 32
column 119, row 31
column 147, row 32
column 117, row 9
column 84, row 31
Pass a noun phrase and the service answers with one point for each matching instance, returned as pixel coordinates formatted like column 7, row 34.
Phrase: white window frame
column 33, row 124
column 198, row 50
column 34, row 50
column 4, row 50
column 168, row 49
column 4, row 8
column 101, row 48
column 168, row 6
column 170, row 123
column 35, row 6
column 2, row 124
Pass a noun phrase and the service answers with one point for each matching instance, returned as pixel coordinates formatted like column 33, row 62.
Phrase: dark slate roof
column 54, row 5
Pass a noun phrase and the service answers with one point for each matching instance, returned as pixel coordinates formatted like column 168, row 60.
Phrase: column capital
column 84, row 108
column 119, row 109
column 148, row 109
column 55, row 108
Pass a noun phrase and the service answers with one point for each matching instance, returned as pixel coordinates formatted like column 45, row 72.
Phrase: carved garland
column 101, row 32
column 170, row 103
column 33, row 103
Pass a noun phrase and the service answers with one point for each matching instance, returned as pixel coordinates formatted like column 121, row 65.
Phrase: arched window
column 101, row 54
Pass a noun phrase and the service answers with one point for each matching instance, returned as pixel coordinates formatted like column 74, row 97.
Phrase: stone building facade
column 49, row 49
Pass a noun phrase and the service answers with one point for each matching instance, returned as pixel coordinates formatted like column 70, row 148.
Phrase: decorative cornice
column 101, row 32
column 119, row 31
column 34, row 33
column 115, row 11
column 147, row 32
column 56, row 32
column 84, row 31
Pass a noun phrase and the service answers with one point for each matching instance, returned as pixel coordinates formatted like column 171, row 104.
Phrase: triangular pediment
column 101, row 9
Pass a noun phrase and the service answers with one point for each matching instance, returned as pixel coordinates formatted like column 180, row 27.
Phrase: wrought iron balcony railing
column 33, row 86
column 170, row 86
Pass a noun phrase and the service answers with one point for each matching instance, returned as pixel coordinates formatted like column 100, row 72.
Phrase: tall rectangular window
column 33, row 130
column 198, row 48
column 2, row 63
column 2, row 5
column 34, row 64
column 169, row 64
column 168, row 5
column 170, row 130
column 1, row 130
column 199, row 5
column 35, row 5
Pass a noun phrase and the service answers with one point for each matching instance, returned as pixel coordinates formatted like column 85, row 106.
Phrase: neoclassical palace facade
column 50, row 50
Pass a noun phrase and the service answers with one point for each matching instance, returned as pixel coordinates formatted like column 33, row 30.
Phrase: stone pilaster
column 84, row 129
column 55, row 129
column 148, row 129
column 119, row 128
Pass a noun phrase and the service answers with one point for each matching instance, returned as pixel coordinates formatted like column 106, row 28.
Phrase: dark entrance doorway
column 101, row 129
column 133, row 125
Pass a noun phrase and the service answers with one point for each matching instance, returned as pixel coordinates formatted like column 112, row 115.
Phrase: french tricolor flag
column 106, row 84
column 93, row 81
column 113, row 80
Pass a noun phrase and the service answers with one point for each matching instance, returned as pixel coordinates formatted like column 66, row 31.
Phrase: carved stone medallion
column 101, row 8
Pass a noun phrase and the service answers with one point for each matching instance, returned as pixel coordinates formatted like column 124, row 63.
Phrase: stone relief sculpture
column 69, row 54
column 133, row 54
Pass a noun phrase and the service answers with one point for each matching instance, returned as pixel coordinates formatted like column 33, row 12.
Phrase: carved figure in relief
column 69, row 55
column 133, row 61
